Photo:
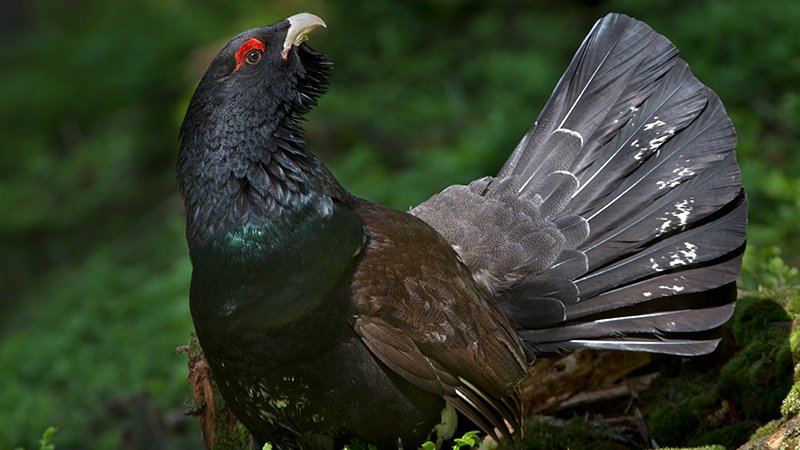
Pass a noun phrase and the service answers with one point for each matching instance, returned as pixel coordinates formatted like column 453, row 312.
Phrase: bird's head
column 261, row 77
column 241, row 140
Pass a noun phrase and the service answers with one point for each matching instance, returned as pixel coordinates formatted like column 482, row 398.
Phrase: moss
column 791, row 404
column 230, row 434
column 721, row 399
column 794, row 345
column 730, row 436
column 783, row 434
column 791, row 299
column 767, row 429
column 221, row 430
column 756, row 312
column 704, row 447
column 758, row 376
column 670, row 423
column 575, row 434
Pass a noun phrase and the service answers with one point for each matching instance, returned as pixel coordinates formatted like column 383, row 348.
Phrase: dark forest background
column 426, row 93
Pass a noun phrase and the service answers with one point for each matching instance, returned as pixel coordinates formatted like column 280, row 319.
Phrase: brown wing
column 420, row 312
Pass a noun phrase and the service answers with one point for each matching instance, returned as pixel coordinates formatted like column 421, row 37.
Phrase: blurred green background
column 93, row 265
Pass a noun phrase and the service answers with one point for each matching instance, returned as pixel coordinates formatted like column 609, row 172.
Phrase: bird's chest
column 272, row 278
column 269, row 305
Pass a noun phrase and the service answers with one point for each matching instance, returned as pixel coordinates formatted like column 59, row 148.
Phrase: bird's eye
column 252, row 57
column 249, row 53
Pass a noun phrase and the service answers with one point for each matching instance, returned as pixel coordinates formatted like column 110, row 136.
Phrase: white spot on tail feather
column 681, row 173
column 656, row 142
column 682, row 211
column 690, row 253
column 656, row 123
column 684, row 208
column 664, row 226
column 674, row 288
column 681, row 256
column 655, row 265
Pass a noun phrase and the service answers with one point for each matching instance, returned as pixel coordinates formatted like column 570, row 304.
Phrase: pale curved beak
column 299, row 27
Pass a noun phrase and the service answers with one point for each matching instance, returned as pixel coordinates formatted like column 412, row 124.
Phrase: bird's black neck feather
column 243, row 161
column 269, row 229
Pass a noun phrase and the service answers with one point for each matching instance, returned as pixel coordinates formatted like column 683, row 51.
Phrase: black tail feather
column 619, row 219
column 660, row 191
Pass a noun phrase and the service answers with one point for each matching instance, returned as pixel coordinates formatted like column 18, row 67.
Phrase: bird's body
column 316, row 300
column 618, row 222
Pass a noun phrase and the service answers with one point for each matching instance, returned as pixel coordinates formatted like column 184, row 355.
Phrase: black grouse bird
column 618, row 222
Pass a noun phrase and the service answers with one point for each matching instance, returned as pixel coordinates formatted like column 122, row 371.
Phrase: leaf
column 469, row 439
column 428, row 446
column 44, row 442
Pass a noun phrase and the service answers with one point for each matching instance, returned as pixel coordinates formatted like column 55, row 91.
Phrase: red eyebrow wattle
column 251, row 44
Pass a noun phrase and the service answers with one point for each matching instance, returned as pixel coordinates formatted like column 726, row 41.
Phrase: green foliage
column 765, row 269
column 542, row 435
column 769, row 428
column 46, row 443
column 445, row 119
column 791, row 404
column 469, row 440
column 63, row 368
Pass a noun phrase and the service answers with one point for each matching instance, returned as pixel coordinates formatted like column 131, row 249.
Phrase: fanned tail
column 660, row 189
column 619, row 220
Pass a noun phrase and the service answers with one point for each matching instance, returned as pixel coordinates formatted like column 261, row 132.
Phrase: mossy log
column 221, row 430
